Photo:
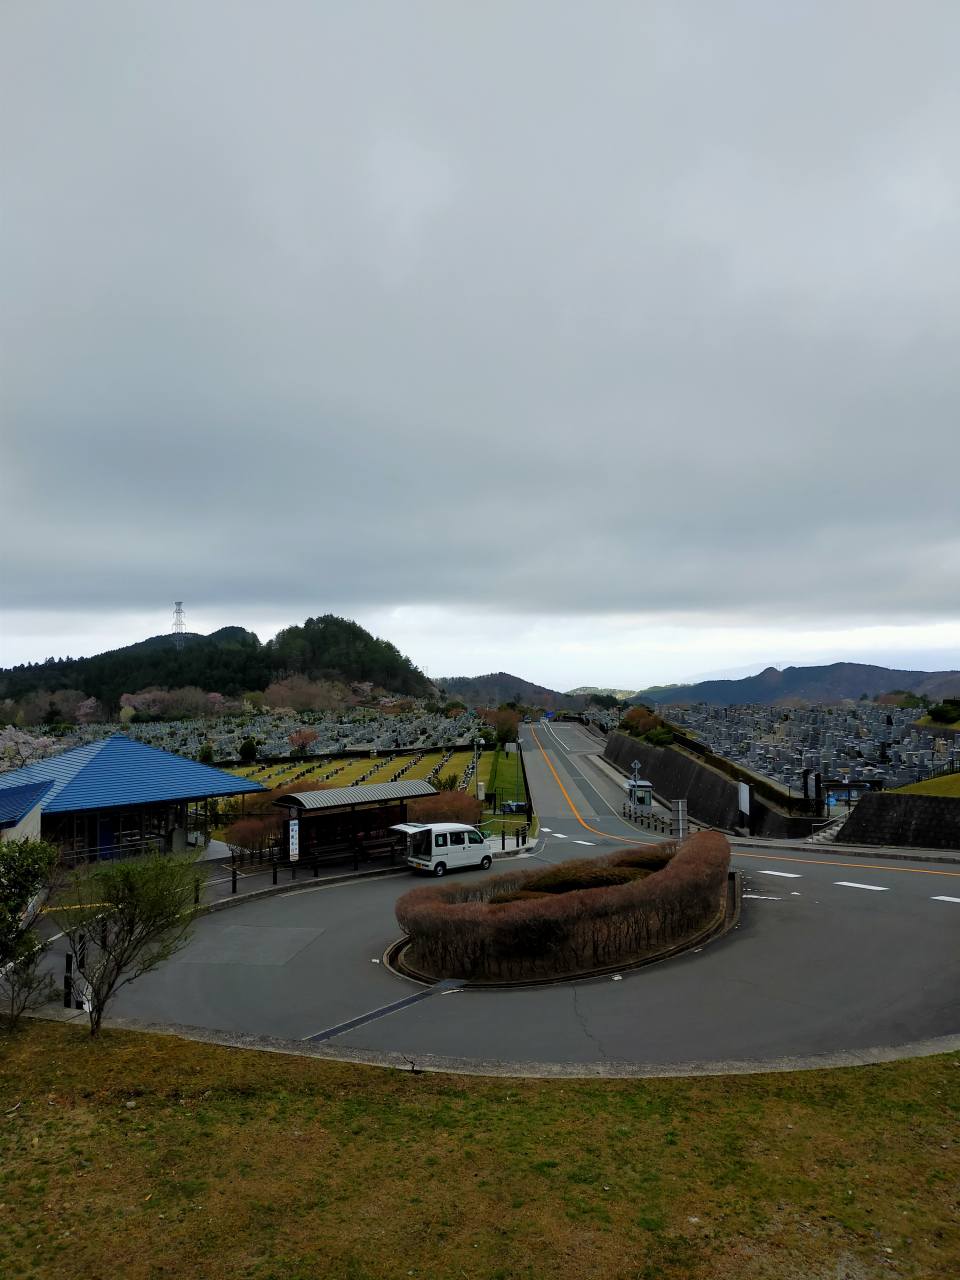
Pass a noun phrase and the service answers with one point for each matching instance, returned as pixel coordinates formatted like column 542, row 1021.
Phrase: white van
column 439, row 847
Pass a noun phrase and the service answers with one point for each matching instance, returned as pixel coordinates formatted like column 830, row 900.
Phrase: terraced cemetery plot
column 343, row 771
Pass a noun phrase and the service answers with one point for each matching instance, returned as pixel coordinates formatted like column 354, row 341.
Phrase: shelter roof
column 122, row 771
column 17, row 801
column 369, row 794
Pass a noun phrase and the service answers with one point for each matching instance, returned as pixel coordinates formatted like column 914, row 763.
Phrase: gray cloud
column 538, row 306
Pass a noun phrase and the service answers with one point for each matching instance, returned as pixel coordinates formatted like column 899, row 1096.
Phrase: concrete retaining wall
column 712, row 798
column 906, row 821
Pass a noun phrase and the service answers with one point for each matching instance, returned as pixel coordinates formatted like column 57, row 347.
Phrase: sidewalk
column 258, row 882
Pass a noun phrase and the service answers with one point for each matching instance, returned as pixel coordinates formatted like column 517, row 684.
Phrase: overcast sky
column 602, row 343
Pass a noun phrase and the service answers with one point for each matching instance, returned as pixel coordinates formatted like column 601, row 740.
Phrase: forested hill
column 229, row 661
column 825, row 684
column 499, row 687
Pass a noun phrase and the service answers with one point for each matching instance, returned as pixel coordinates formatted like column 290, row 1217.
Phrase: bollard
column 233, row 878
column 68, row 981
column 516, row 838
column 293, row 871
column 274, row 871
column 503, row 839
column 196, row 891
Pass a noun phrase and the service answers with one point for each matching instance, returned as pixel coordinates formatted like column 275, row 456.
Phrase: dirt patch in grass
column 238, row 1164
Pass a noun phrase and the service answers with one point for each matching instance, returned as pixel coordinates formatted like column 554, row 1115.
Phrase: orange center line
column 830, row 862
column 575, row 811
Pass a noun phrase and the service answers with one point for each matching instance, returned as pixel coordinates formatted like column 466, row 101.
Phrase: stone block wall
column 906, row 821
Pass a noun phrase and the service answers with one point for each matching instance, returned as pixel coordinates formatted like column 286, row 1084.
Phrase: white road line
column 942, row 897
column 548, row 830
column 852, row 884
column 558, row 835
column 766, row 897
column 591, row 843
column 787, row 875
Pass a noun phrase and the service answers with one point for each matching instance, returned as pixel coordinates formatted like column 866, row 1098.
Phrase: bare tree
column 24, row 984
column 25, row 869
column 123, row 919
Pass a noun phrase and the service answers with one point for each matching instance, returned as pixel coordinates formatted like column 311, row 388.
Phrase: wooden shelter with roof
column 348, row 820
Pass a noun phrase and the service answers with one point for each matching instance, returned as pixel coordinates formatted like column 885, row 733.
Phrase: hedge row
column 459, row 931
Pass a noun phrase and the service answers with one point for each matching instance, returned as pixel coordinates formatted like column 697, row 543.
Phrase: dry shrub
column 446, row 806
column 254, row 834
column 646, row 858
column 518, row 895
column 581, row 874
column 459, row 931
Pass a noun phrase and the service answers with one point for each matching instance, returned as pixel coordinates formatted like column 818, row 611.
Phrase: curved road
column 835, row 955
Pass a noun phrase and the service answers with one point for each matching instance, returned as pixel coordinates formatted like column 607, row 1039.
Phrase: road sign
column 294, row 840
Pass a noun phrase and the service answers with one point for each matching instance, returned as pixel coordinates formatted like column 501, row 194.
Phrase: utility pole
column 178, row 625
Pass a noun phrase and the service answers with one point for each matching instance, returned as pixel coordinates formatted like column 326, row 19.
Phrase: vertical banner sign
column 678, row 819
column 294, row 839
column 744, row 801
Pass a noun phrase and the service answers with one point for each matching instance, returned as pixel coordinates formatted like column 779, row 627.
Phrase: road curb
column 532, row 1070
column 847, row 850
column 292, row 886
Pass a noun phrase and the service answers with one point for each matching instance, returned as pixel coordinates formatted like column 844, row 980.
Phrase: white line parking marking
column 787, row 875
column 942, row 897
column 852, row 884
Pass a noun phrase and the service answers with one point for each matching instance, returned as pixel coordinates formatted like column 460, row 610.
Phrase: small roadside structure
column 20, row 810
column 349, row 820
column 114, row 798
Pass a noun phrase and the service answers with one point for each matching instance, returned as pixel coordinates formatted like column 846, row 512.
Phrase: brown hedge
column 456, row 930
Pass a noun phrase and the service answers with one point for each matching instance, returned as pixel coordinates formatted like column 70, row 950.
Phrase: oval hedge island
column 571, row 918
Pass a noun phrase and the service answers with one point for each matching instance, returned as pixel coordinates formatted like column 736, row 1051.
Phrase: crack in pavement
column 582, row 1020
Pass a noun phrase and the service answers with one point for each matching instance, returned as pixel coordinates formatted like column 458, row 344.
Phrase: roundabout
column 835, row 960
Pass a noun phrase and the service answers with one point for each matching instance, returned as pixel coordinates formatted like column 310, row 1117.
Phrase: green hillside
column 230, row 661
column 948, row 785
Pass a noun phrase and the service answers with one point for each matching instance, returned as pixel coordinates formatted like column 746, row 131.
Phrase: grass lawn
column 237, row 1164
column 948, row 785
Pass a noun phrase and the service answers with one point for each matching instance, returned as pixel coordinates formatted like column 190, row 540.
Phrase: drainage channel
column 448, row 984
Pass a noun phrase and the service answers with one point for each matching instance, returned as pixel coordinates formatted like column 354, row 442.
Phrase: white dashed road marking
column 548, row 830
column 558, row 835
column 787, row 875
column 942, row 897
column 765, row 897
column 852, row 884
column 589, row 842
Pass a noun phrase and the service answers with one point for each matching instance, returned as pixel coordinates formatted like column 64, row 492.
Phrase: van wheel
column 440, row 869
column 486, row 862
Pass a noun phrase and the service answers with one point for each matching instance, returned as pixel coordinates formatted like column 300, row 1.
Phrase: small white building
column 20, row 810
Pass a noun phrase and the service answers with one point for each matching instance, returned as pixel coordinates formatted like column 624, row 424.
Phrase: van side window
column 440, row 840
column 457, row 837
column 475, row 837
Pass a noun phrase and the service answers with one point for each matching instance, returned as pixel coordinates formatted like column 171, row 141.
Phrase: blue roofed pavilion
column 119, row 796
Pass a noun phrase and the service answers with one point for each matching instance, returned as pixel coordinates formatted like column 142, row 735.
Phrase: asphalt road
column 833, row 954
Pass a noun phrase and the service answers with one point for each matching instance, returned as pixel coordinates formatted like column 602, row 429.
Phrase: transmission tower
column 178, row 625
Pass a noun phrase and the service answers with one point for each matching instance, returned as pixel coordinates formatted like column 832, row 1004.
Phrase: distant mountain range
column 499, row 686
column 833, row 683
